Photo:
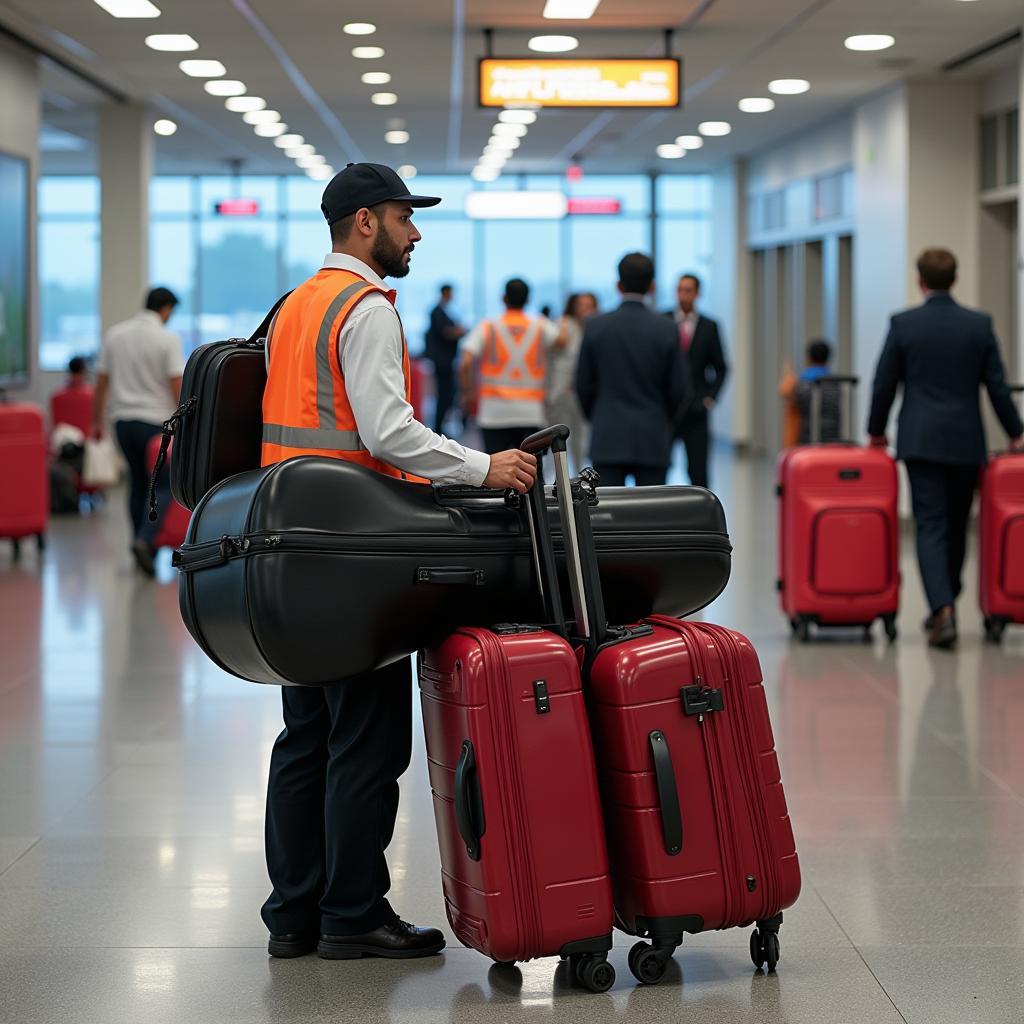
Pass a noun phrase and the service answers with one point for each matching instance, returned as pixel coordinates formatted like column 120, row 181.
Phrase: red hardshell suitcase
column 25, row 498
column 176, row 517
column 1001, row 542
column 838, row 532
column 516, row 802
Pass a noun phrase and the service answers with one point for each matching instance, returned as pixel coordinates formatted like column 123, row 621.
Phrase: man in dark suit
column 941, row 353
column 701, row 343
column 631, row 381
column 442, row 344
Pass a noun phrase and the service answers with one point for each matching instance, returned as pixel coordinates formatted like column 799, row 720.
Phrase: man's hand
column 513, row 469
column 1017, row 444
column 879, row 441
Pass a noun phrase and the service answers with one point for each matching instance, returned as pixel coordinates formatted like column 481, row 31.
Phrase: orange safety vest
column 512, row 365
column 306, row 410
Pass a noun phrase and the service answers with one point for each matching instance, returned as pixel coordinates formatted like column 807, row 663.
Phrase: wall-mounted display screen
column 581, row 82
column 13, row 270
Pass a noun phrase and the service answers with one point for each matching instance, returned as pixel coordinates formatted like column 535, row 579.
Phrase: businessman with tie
column 941, row 353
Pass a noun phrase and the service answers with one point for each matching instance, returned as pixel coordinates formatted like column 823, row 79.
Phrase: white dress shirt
column 371, row 347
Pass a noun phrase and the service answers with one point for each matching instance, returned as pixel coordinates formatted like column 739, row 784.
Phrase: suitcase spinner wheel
column 764, row 943
column 995, row 627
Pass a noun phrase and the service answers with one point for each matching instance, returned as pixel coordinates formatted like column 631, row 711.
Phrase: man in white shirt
column 332, row 796
column 138, row 377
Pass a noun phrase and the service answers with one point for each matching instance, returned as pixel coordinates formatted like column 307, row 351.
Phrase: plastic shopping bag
column 101, row 466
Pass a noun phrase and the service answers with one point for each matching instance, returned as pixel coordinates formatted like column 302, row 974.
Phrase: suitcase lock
column 700, row 700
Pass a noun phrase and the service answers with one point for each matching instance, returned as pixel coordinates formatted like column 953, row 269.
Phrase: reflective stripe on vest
column 510, row 375
column 312, row 437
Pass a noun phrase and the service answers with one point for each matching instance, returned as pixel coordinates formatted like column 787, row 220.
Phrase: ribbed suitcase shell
column 25, row 498
column 1001, row 538
column 737, row 863
column 541, row 881
column 838, row 534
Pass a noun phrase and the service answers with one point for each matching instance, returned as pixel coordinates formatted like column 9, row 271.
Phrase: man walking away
column 941, row 353
column 631, row 381
column 138, row 377
column 442, row 345
column 511, row 350
column 702, row 345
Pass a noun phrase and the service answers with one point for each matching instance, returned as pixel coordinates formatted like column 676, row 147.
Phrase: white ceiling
column 295, row 55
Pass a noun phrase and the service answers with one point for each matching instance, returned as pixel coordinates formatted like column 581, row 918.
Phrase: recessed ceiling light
column 713, row 128
column 359, row 28
column 869, row 42
column 517, row 117
column 375, row 78
column 130, row 8
column 789, row 86
column 494, row 160
column 690, row 141
column 514, row 131
column 164, row 127
column 553, row 44
column 261, row 116
column 288, row 141
column 367, row 52
column 407, row 171
column 271, row 130
column 396, row 138
column 502, row 143
column 304, row 150
column 670, row 151
column 203, row 68
column 225, row 87
column 756, row 105
column 384, row 99
column 480, row 173
column 313, row 160
column 241, row 104
column 570, row 9
column 168, row 43
column 321, row 172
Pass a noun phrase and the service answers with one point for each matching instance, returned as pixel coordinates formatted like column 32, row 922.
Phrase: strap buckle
column 700, row 700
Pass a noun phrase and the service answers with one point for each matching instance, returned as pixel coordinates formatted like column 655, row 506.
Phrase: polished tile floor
column 132, row 777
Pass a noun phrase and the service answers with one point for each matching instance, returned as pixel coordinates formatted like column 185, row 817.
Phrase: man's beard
column 388, row 255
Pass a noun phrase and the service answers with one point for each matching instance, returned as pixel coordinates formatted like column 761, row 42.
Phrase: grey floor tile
column 965, row 985
column 12, row 848
column 162, row 816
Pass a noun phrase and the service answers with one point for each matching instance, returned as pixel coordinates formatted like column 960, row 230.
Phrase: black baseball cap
column 362, row 185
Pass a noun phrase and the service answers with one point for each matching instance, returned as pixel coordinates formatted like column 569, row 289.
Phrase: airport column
column 125, row 166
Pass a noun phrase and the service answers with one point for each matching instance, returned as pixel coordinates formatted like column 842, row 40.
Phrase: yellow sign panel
column 579, row 82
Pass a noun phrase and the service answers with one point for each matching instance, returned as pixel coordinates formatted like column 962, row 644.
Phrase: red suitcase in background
column 1001, row 542
column 175, row 519
column 838, row 530
column 516, row 802
column 25, row 498
column 698, row 829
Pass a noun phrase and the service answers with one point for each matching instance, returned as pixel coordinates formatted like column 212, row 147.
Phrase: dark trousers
column 332, row 800
column 614, row 474
column 694, row 432
column 942, row 495
column 444, row 381
column 502, row 439
column 134, row 436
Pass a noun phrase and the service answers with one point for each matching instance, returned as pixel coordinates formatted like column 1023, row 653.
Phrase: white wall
column 825, row 148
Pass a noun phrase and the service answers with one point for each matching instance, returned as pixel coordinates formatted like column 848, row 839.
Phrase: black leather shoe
column 143, row 555
column 287, row 947
column 398, row 941
column 943, row 630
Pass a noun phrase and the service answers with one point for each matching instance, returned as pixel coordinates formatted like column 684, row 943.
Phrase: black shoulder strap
column 260, row 334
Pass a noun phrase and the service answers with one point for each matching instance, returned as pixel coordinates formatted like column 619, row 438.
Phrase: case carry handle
column 469, row 810
column 668, row 796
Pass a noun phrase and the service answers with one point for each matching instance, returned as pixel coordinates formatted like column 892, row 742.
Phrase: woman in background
column 561, row 403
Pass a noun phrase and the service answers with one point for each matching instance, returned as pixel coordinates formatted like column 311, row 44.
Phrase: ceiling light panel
column 670, row 151
column 165, row 127
column 376, row 78
column 269, row 131
column 407, row 171
column 515, row 131
column 756, row 104
column 320, row 173
column 225, row 87
column 485, row 174
column 242, row 104
column 869, row 43
column 295, row 151
column 172, row 43
column 553, row 44
column 288, row 141
column 517, row 116
column 261, row 116
column 789, row 86
column 203, row 68
column 396, row 138
column 359, row 28
column 384, row 99
column 368, row 52
column 690, row 141
column 570, row 9
column 713, row 129
column 306, row 162
column 129, row 8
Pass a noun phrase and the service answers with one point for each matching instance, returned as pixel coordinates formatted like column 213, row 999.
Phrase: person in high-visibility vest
column 509, row 354
column 338, row 385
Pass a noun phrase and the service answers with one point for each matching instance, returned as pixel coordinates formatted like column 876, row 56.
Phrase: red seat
column 72, row 405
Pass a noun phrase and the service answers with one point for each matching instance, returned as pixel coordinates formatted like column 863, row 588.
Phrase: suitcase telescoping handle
column 847, row 385
column 553, row 439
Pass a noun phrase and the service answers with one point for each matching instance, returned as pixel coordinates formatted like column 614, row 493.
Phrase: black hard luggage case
column 315, row 569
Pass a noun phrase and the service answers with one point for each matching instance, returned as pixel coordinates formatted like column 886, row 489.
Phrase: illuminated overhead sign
column 581, row 82
column 501, row 204
column 599, row 205
column 237, row 207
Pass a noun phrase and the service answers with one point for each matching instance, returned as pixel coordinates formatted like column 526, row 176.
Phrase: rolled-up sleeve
column 371, row 351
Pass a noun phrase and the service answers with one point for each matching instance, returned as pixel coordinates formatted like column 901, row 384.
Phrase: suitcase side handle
column 469, row 808
column 668, row 796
